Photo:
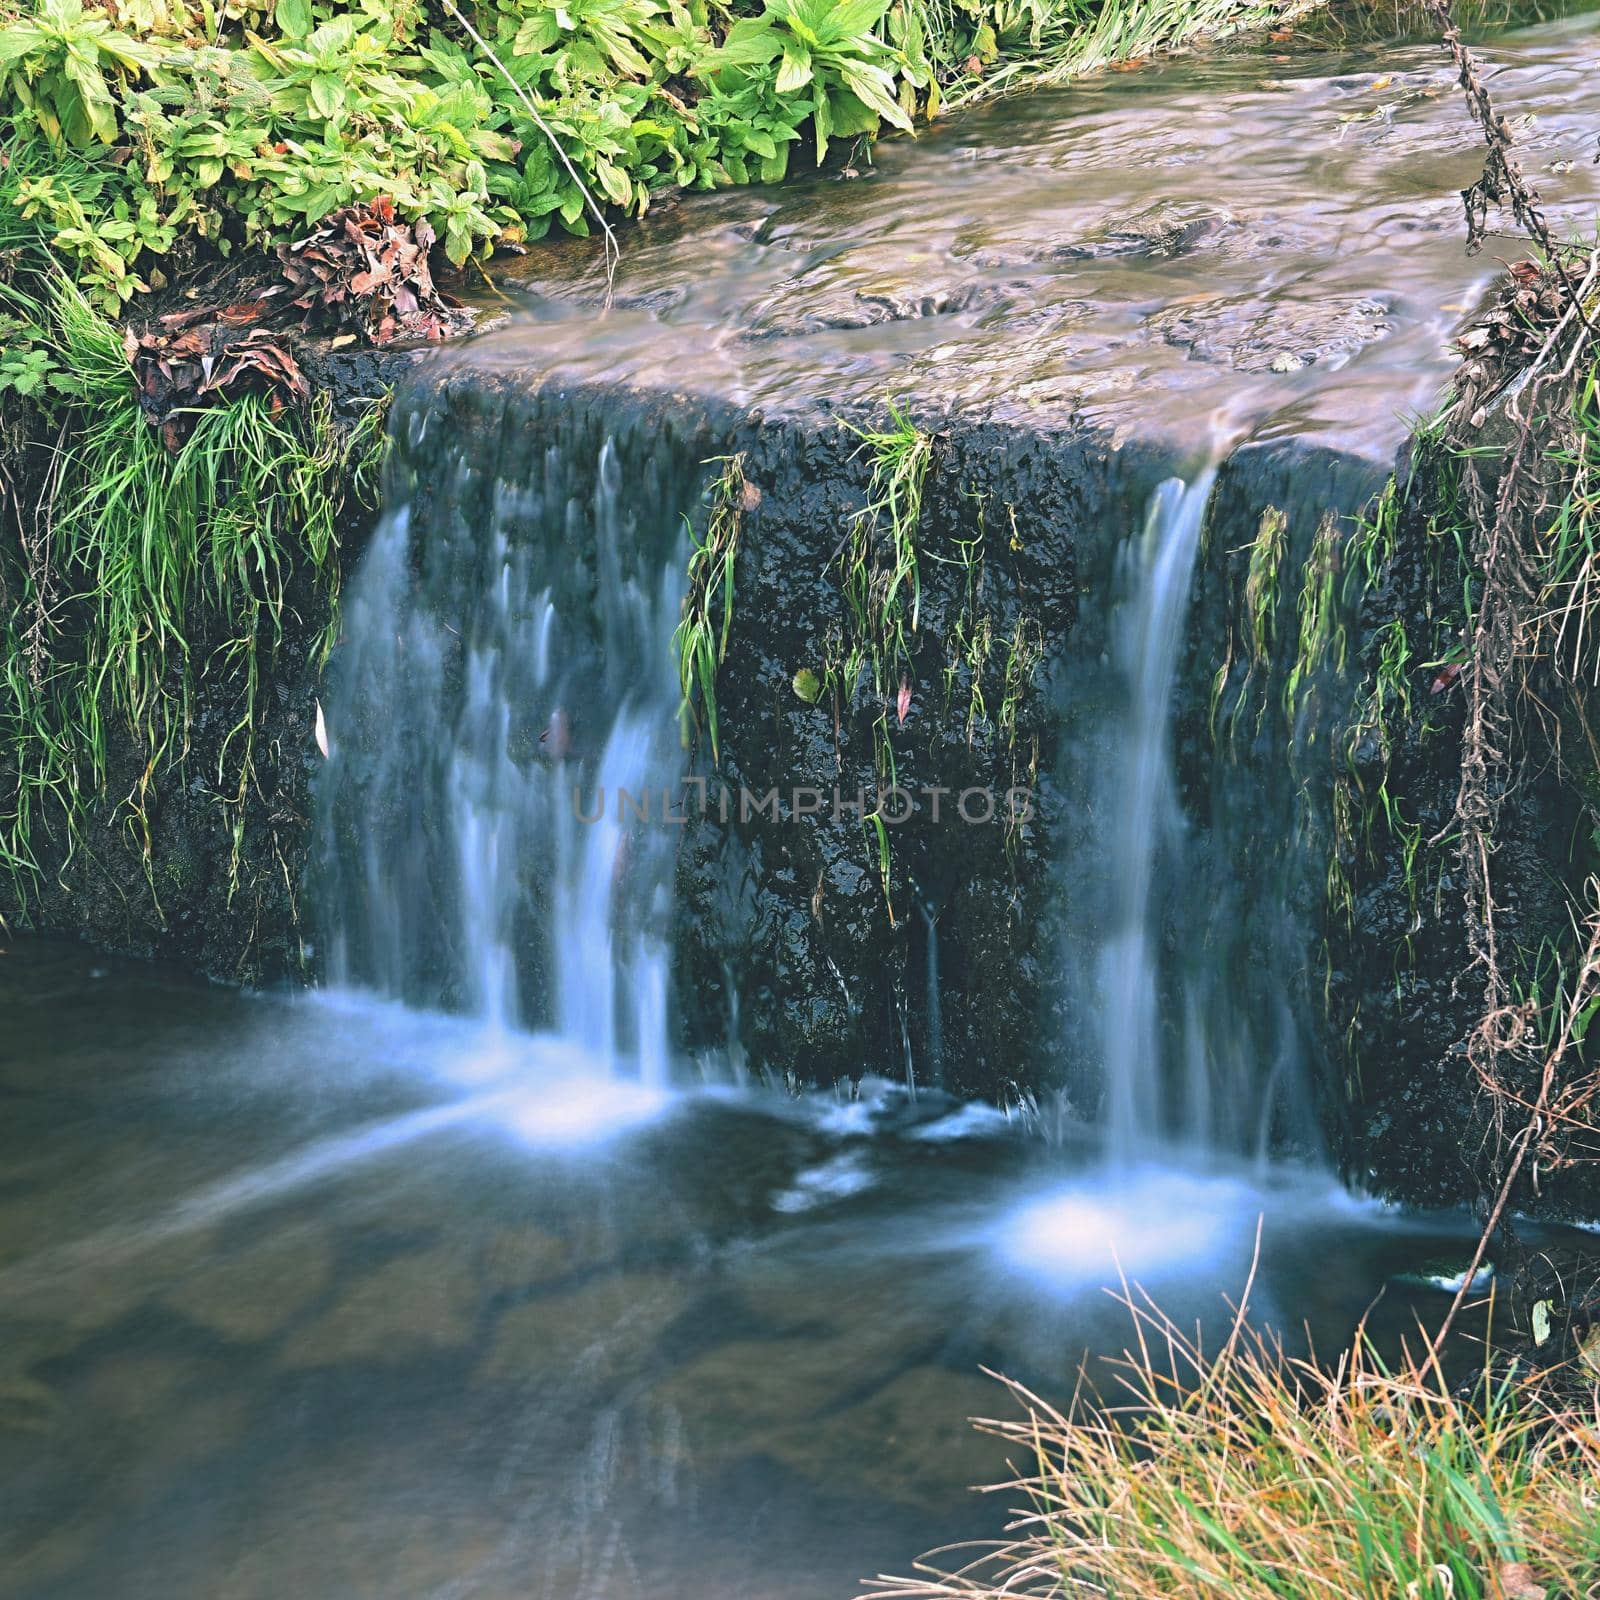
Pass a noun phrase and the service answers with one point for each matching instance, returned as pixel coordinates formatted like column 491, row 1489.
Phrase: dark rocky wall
column 1402, row 997
column 798, row 910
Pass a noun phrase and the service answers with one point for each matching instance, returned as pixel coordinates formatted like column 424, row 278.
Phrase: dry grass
column 1250, row 1473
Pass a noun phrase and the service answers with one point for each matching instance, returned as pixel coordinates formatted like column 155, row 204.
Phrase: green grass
column 1568, row 557
column 1251, row 1476
column 882, row 577
column 1037, row 44
column 1024, row 653
column 700, row 643
column 1320, row 641
column 140, row 553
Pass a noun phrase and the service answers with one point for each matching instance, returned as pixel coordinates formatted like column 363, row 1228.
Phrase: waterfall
column 1176, row 1050
column 503, row 738
column 1147, row 822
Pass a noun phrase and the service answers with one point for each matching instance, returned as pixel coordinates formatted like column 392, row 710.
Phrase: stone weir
column 965, row 943
column 1028, row 453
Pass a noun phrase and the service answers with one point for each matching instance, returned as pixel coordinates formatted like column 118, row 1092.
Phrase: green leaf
column 614, row 182
column 293, row 18
column 851, row 17
column 795, row 72
column 95, row 103
column 132, row 55
column 874, row 88
column 19, row 41
column 327, row 96
column 823, row 117
column 489, row 146
column 751, row 42
column 1541, row 1322
column 536, row 35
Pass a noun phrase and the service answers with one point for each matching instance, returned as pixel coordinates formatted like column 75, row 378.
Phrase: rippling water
column 1276, row 238
column 332, row 1299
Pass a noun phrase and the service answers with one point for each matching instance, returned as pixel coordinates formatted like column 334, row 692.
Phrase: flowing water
column 1273, row 235
column 1138, row 1105
column 338, row 1299
column 452, row 1281
column 500, row 701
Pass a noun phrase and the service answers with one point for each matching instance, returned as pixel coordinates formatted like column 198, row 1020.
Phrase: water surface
column 1275, row 239
column 328, row 1298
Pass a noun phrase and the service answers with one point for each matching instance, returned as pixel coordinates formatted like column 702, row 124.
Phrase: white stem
column 612, row 249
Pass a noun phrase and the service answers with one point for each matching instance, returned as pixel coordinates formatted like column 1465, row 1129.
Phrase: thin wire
column 613, row 251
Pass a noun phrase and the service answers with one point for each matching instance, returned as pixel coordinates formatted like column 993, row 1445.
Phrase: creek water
column 452, row 1281
column 335, row 1298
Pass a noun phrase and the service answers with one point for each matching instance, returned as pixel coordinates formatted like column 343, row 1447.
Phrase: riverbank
column 1243, row 1472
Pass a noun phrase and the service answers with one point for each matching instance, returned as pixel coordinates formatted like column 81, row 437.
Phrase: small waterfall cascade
column 503, row 734
column 1181, row 1066
column 1147, row 823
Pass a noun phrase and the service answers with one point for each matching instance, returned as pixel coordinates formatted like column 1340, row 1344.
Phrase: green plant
column 831, row 50
column 61, row 64
column 1255, row 1476
column 143, row 551
column 160, row 132
column 982, row 48
column 1259, row 620
column 878, row 841
column 882, row 580
column 1024, row 653
column 700, row 642
column 1321, row 637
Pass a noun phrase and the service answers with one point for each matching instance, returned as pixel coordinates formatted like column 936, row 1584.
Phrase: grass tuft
column 1254, row 1476
column 132, row 556
column 701, row 640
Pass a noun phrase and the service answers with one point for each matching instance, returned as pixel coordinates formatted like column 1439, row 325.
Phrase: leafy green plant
column 829, row 49
column 700, row 642
column 61, row 64
column 174, row 130
column 144, row 550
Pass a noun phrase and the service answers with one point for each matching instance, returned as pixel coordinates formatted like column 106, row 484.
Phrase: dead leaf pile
column 366, row 272
column 1516, row 325
column 191, row 359
column 363, row 276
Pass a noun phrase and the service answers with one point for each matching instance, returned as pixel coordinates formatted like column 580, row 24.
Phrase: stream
column 464, row 1276
column 332, row 1298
